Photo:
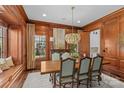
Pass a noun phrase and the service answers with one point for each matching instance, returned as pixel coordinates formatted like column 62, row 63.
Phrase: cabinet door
column 121, row 37
column 110, row 32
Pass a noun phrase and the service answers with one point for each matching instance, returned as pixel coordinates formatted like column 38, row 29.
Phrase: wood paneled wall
column 46, row 28
column 111, row 30
column 112, row 40
column 15, row 19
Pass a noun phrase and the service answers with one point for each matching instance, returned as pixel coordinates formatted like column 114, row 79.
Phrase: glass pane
column 4, row 31
column 1, row 48
column 0, row 32
column 4, row 47
column 40, row 46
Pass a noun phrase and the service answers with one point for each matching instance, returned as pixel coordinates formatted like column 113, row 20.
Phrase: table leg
column 54, row 80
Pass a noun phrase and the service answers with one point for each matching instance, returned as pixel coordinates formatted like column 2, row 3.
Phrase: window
column 40, row 46
column 3, row 42
column 59, row 38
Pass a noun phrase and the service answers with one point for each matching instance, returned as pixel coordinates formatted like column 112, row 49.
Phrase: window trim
column 4, row 52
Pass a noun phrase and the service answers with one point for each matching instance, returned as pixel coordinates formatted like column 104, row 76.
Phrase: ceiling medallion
column 72, row 38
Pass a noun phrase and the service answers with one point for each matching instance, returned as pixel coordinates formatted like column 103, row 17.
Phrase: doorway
column 94, row 42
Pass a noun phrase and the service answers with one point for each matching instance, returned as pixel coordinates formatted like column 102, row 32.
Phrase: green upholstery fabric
column 95, row 73
column 64, row 80
column 85, row 63
column 84, row 69
column 55, row 56
column 97, row 63
column 67, row 68
column 81, row 77
column 96, row 66
column 65, row 55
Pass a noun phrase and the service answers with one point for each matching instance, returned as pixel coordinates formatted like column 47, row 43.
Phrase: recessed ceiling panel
column 83, row 14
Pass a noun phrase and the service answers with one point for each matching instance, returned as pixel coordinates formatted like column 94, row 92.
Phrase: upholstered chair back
column 67, row 67
column 85, row 65
column 55, row 56
column 65, row 56
column 97, row 62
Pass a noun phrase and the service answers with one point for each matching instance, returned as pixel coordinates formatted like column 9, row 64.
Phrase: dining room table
column 53, row 67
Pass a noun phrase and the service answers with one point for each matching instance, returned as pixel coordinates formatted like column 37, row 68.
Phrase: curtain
column 30, row 46
column 59, row 38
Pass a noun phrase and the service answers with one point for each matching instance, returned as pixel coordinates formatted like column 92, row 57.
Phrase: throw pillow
column 4, row 66
column 2, row 61
column 9, row 61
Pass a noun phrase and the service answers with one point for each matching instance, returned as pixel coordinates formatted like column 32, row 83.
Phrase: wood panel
column 110, row 32
column 15, row 44
column 13, row 14
column 84, row 43
column 121, row 37
column 53, row 25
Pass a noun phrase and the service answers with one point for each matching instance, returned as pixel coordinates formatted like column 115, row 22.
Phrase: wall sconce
column 51, row 39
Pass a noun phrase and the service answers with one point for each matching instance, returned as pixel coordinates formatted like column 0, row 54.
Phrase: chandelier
column 72, row 38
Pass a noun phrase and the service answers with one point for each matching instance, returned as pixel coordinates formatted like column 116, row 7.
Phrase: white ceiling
column 63, row 14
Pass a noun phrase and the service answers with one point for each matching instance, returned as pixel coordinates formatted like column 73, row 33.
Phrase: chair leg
column 60, row 85
column 72, row 84
column 99, row 79
column 87, row 82
column 90, row 81
column 64, row 85
column 50, row 77
column 78, row 82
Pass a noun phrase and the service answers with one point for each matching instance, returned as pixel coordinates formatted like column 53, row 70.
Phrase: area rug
column 36, row 80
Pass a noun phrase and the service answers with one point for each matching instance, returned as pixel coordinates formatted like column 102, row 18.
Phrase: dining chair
column 66, row 72
column 83, row 72
column 96, row 69
column 55, row 57
column 65, row 55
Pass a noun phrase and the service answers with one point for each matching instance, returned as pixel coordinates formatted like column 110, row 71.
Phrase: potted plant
column 73, row 50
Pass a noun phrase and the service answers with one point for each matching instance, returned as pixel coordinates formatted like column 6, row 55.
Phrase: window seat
column 8, row 77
